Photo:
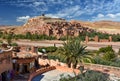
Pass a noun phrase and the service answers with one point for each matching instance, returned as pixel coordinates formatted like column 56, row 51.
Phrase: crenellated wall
column 96, row 39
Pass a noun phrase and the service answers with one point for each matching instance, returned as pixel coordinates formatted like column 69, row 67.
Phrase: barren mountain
column 60, row 27
column 103, row 26
column 52, row 27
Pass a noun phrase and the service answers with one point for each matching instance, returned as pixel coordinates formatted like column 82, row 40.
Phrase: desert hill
column 60, row 27
column 111, row 27
column 52, row 27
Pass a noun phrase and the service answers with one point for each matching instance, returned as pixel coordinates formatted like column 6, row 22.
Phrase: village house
column 6, row 65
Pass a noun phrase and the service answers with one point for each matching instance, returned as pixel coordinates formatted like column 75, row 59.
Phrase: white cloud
column 112, row 6
column 112, row 17
column 36, row 4
column 52, row 15
column 100, row 15
column 67, row 12
column 22, row 18
column 72, row 8
column 56, row 1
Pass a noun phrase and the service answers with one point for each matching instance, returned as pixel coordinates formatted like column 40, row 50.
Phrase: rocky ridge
column 52, row 27
column 111, row 27
column 60, row 27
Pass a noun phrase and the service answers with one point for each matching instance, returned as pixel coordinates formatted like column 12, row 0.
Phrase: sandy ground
column 110, row 31
column 90, row 45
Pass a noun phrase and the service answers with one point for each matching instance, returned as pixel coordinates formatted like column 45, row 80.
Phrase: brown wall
column 104, row 40
column 40, row 71
column 96, row 39
column 104, row 68
column 5, row 61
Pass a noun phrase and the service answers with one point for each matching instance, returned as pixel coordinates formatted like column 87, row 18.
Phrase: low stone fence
column 40, row 71
column 63, row 66
column 96, row 39
column 104, row 68
column 104, row 40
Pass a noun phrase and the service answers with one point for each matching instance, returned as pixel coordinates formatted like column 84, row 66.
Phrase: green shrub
column 116, row 37
column 89, row 75
column 119, row 51
column 98, row 60
column 93, row 76
column 1, row 41
column 116, row 63
column 109, row 56
column 106, row 49
column 52, row 57
column 14, row 44
column 68, row 78
column 48, row 49
column 63, row 38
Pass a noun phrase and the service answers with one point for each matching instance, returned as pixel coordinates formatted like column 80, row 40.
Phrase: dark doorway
column 4, row 76
column 26, row 68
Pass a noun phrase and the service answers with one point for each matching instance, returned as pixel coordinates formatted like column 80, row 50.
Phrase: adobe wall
column 104, row 68
column 53, row 65
column 5, row 61
column 63, row 67
column 40, row 71
column 96, row 39
column 59, row 65
column 32, row 49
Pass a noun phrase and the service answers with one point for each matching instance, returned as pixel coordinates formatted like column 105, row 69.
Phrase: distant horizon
column 17, row 12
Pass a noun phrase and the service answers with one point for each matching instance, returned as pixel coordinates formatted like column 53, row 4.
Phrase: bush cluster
column 106, row 49
column 82, row 35
column 107, row 56
column 89, row 75
column 48, row 49
column 98, row 60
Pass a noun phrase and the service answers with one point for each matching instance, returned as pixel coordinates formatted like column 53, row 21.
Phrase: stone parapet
column 40, row 71
column 104, row 68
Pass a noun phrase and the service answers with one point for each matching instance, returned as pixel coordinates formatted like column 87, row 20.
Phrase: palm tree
column 73, row 52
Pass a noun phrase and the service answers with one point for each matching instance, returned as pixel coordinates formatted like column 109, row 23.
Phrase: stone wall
column 63, row 67
column 59, row 65
column 104, row 68
column 96, row 39
column 32, row 49
column 40, row 71
column 53, row 65
column 5, row 61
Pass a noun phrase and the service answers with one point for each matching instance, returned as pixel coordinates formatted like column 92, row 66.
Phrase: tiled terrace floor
column 53, row 75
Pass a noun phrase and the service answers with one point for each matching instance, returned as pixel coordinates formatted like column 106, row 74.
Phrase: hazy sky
column 16, row 12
